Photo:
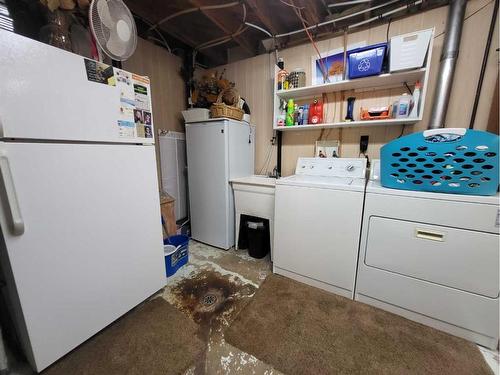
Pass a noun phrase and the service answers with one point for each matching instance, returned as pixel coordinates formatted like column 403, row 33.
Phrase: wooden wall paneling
column 301, row 143
column 167, row 87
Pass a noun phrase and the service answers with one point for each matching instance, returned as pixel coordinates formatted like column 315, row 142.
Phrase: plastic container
column 408, row 51
column 458, row 161
column 315, row 112
column 176, row 251
column 196, row 114
column 258, row 239
column 305, row 116
column 366, row 61
column 402, row 109
column 297, row 78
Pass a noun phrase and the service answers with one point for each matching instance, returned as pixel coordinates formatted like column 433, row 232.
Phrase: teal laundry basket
column 457, row 161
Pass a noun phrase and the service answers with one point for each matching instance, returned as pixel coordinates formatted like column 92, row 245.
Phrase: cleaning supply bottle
column 316, row 112
column 305, row 116
column 403, row 106
column 416, row 101
column 282, row 74
column 289, row 113
column 296, row 114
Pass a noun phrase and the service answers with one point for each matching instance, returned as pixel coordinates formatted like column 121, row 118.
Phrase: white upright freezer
column 218, row 150
column 81, row 239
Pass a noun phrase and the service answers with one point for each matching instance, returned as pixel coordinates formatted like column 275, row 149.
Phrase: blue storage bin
column 177, row 254
column 455, row 161
column 366, row 61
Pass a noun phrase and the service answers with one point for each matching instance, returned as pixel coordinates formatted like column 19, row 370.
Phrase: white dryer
column 432, row 258
column 317, row 223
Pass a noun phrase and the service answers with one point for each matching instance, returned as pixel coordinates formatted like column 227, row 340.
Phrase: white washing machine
column 432, row 258
column 317, row 223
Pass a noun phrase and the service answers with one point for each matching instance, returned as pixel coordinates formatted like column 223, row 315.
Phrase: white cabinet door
column 208, row 182
column 92, row 244
column 241, row 149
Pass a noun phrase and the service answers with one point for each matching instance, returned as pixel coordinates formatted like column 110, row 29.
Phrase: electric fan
column 113, row 28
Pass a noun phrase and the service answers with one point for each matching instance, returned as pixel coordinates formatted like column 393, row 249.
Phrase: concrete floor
column 212, row 289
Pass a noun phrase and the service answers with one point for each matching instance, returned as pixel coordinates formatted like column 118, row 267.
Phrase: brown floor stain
column 212, row 300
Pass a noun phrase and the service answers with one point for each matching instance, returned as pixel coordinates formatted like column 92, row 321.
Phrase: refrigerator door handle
column 16, row 219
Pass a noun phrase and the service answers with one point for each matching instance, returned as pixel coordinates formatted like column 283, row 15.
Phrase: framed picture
column 334, row 62
column 327, row 149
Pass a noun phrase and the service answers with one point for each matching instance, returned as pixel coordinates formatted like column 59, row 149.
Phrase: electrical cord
column 163, row 40
column 402, row 131
column 322, row 64
column 387, row 32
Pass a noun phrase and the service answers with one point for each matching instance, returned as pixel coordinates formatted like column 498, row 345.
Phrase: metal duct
column 449, row 56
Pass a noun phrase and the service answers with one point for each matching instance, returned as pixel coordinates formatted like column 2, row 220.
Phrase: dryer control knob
column 350, row 168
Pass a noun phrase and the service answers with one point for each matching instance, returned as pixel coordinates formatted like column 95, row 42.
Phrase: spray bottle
column 289, row 113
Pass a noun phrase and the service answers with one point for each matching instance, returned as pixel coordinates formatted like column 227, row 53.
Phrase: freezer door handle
column 15, row 217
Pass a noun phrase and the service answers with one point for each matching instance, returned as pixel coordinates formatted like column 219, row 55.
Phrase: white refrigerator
column 218, row 150
column 81, row 239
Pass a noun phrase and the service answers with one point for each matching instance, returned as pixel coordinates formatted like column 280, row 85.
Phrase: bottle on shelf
column 403, row 107
column 415, row 101
column 301, row 115
column 316, row 112
column 305, row 115
column 350, row 108
column 280, row 121
column 289, row 113
column 282, row 75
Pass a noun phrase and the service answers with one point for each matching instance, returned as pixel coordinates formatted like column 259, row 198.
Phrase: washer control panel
column 332, row 167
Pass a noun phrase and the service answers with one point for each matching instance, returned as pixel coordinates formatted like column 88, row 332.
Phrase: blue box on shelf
column 366, row 61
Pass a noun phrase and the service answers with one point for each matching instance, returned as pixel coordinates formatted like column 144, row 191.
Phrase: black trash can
column 258, row 239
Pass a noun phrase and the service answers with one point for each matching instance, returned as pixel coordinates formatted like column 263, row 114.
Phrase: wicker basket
column 220, row 109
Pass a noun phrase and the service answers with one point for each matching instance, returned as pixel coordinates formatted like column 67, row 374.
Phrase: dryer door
column 457, row 258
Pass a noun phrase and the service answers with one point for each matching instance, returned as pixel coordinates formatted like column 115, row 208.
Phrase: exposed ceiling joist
column 261, row 11
column 219, row 22
column 311, row 11
column 210, row 53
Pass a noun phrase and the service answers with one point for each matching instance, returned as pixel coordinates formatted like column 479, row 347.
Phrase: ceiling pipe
column 352, row 2
column 338, row 19
column 449, row 55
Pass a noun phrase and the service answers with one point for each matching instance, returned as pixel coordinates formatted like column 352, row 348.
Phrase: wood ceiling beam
column 218, row 21
column 218, row 58
column 141, row 9
column 261, row 11
column 311, row 12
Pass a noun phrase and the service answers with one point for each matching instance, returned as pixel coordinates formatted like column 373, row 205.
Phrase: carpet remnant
column 300, row 329
column 154, row 338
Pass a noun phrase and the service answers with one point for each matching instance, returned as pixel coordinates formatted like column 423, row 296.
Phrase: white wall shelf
column 384, row 81
column 351, row 124
column 381, row 81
